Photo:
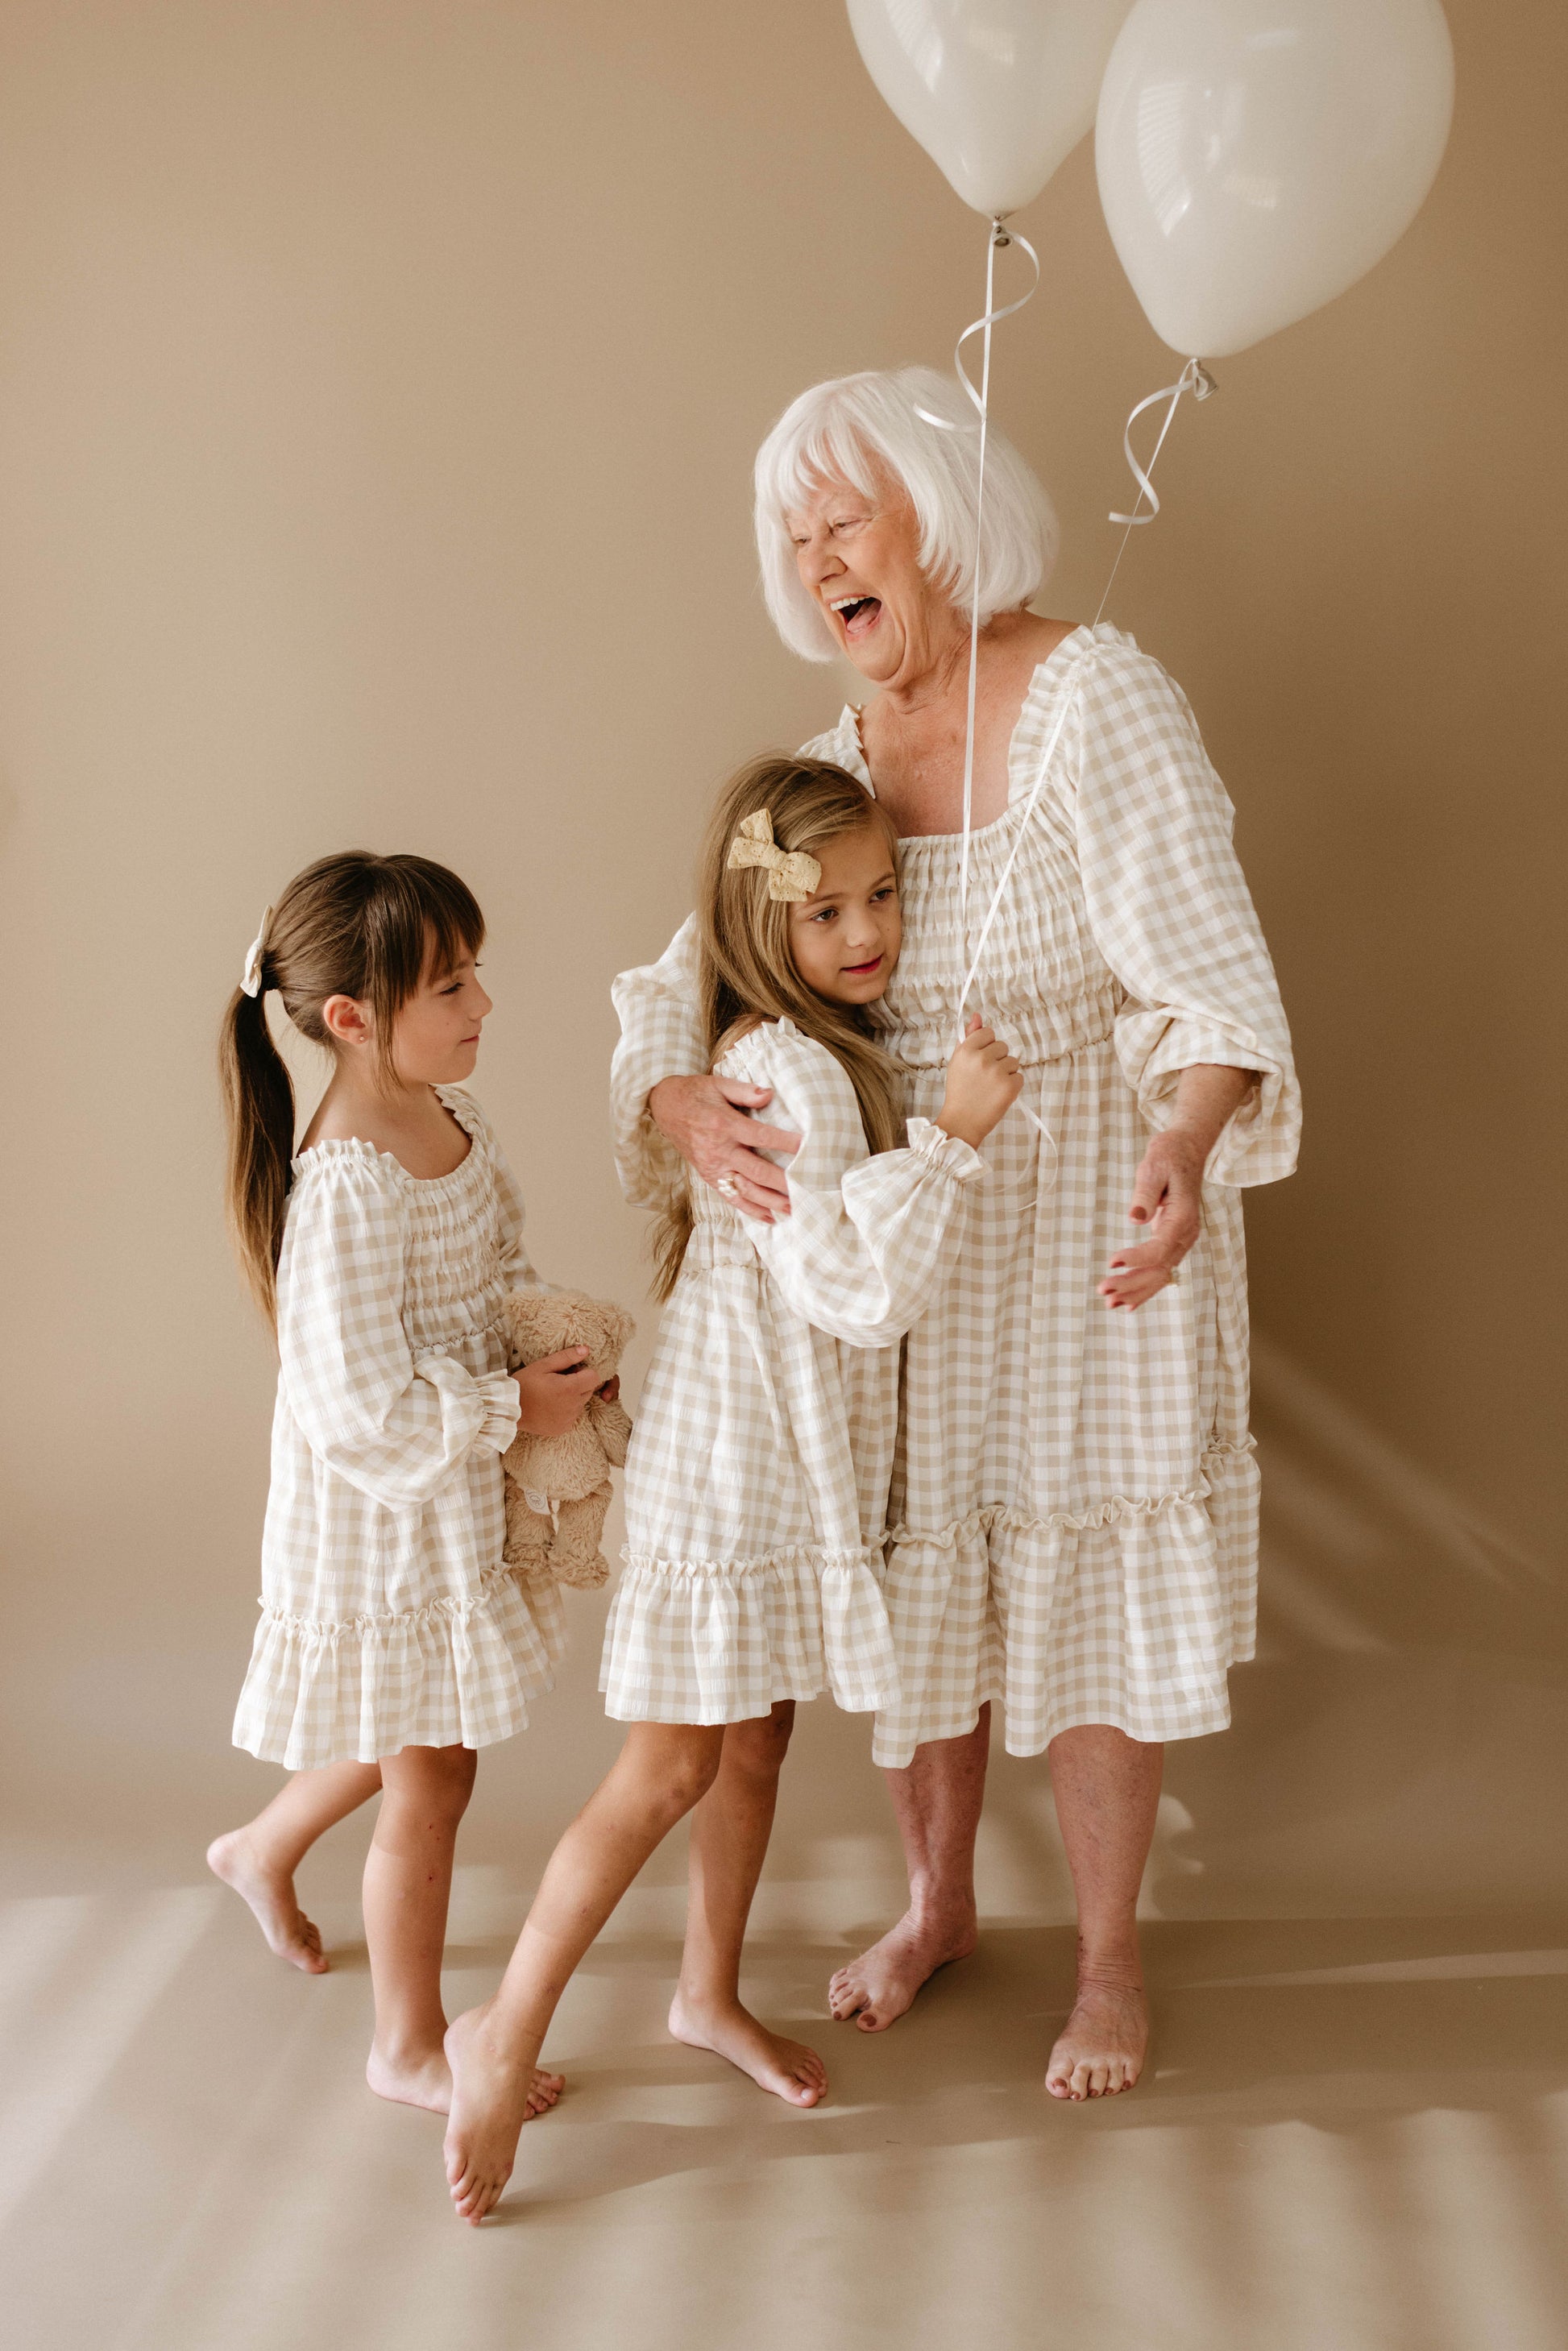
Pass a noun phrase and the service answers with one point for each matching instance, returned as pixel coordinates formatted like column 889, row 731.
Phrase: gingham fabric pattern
column 388, row 1619
column 754, row 1554
column 1072, row 1510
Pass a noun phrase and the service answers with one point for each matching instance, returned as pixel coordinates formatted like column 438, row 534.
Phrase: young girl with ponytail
column 394, row 1641
column 757, row 1479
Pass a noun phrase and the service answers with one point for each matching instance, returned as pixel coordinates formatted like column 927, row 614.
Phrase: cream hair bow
column 250, row 981
column 791, row 875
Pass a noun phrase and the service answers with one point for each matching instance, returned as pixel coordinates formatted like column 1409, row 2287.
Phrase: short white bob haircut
column 855, row 426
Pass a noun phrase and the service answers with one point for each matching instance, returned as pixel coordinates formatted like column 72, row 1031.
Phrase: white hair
column 855, row 425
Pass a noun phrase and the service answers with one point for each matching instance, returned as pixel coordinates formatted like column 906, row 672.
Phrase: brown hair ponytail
column 747, row 970
column 354, row 924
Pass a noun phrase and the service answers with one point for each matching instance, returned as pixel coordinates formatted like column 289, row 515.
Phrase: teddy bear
column 558, row 1488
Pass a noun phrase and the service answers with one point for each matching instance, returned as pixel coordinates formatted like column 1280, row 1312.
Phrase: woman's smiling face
column 846, row 936
column 858, row 558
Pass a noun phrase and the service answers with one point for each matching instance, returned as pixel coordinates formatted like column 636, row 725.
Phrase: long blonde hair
column 353, row 925
column 747, row 972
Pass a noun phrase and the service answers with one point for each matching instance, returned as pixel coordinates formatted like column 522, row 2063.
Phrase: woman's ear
column 346, row 1021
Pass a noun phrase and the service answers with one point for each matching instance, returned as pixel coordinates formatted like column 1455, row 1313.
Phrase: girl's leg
column 408, row 1883
column 661, row 1772
column 259, row 1860
column 730, row 1829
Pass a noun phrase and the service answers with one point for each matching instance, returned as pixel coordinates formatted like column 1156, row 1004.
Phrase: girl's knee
column 760, row 1746
column 680, row 1765
column 439, row 1780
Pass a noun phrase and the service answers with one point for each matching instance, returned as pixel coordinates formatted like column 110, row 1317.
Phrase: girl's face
column 845, row 938
column 436, row 1038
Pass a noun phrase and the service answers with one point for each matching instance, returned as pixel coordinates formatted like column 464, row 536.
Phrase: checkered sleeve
column 396, row 1427
column 661, row 1036
column 1173, row 917
column 869, row 1239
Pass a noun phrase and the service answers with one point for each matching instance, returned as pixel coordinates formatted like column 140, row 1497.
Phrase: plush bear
column 558, row 1488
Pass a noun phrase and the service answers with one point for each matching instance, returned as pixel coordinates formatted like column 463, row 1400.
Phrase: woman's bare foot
column 787, row 2068
column 1102, row 2045
column 492, row 2098
column 424, row 2079
column 877, row 1988
column 270, row 1894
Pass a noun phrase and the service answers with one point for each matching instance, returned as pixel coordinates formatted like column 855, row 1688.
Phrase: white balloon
column 1256, row 157
column 996, row 91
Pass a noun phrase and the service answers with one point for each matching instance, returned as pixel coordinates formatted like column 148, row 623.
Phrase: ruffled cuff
column 498, row 1393
column 1258, row 1143
column 949, row 1153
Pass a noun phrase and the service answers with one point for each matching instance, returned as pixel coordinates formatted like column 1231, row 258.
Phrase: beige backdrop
column 378, row 388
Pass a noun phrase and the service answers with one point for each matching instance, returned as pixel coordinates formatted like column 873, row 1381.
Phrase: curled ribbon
column 791, row 875
column 1194, row 378
column 250, row 979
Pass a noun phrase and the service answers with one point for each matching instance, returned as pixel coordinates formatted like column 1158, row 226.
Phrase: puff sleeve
column 661, row 1036
column 870, row 1238
column 1173, row 917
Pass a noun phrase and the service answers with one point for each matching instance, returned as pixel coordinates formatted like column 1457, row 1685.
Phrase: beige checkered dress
column 1072, row 1512
column 754, row 1555
column 387, row 1617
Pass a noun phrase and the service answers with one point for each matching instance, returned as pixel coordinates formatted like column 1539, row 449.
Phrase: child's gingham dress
column 755, row 1528
column 1074, row 1506
column 388, row 1619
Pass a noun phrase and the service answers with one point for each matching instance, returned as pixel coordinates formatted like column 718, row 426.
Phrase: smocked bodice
column 1042, row 979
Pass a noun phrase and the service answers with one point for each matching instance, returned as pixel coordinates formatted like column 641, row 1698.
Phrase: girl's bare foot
column 424, row 2078
column 270, row 1894
column 492, row 2092
column 1101, row 2047
column 877, row 1988
column 787, row 2068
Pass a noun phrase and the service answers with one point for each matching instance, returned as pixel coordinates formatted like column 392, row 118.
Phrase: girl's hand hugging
column 984, row 1080
column 553, row 1392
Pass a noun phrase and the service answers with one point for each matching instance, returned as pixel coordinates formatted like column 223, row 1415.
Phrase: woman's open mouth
column 860, row 615
column 862, row 970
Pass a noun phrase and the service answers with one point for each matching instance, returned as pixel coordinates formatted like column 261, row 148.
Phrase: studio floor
column 1354, row 2134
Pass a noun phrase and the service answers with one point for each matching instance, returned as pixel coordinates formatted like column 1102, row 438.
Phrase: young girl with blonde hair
column 758, row 1474
column 394, row 1642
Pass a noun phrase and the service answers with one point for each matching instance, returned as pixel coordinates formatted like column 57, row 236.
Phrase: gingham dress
column 1073, row 1513
column 388, row 1619
column 755, row 1531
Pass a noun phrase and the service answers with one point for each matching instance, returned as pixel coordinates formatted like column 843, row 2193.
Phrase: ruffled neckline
column 851, row 756
column 346, row 1149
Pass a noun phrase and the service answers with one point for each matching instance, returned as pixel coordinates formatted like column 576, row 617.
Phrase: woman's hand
column 1167, row 1191
column 552, row 1392
column 984, row 1080
column 700, row 1118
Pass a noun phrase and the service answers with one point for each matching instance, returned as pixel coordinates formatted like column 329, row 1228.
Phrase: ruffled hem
column 1128, row 1612
column 454, row 1673
column 706, row 1641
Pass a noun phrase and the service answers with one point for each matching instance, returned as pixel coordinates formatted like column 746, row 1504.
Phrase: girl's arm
column 869, row 1240
column 397, row 1426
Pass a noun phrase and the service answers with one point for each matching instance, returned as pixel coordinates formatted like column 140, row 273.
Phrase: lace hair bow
column 791, row 875
column 250, row 981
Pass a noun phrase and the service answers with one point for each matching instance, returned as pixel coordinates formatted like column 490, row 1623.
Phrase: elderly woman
column 1073, row 1530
